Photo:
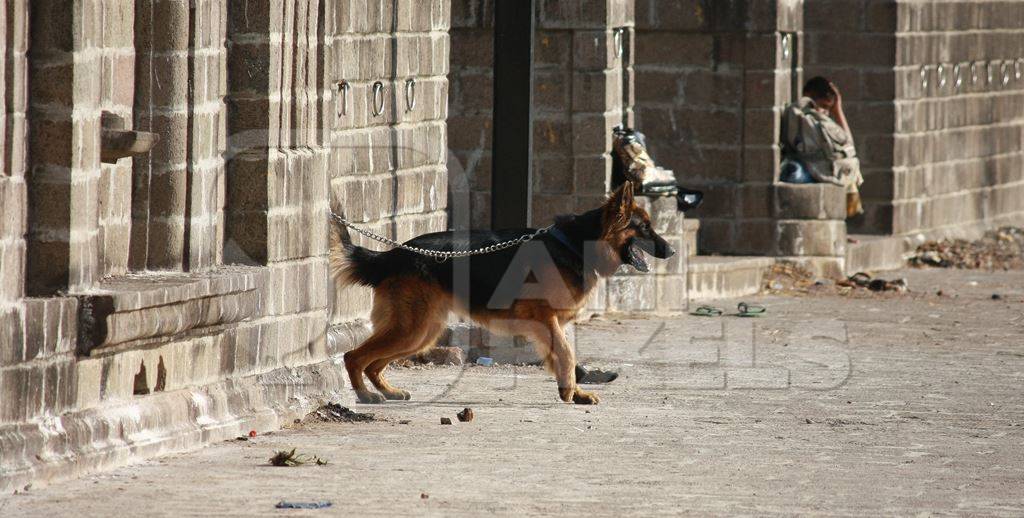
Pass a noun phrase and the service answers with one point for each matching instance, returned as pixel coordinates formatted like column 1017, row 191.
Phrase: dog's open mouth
column 635, row 257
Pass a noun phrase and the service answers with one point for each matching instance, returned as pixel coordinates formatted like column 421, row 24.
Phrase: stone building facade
column 940, row 156
column 181, row 296
column 584, row 86
column 935, row 91
column 155, row 303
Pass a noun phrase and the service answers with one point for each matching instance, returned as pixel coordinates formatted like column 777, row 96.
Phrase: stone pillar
column 64, row 176
column 853, row 43
column 583, row 87
column 276, row 199
column 714, row 78
column 387, row 135
column 13, row 224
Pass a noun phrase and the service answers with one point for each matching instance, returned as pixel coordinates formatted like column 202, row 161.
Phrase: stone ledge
column 144, row 306
column 143, row 290
column 809, row 201
column 163, row 423
column 721, row 277
column 53, row 448
column 874, row 253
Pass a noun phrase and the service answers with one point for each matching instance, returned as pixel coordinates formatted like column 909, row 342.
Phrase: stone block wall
column 853, row 43
column 940, row 136
column 388, row 143
column 181, row 297
column 713, row 79
column 958, row 154
column 583, row 87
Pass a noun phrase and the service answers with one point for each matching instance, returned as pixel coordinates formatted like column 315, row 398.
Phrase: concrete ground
column 832, row 405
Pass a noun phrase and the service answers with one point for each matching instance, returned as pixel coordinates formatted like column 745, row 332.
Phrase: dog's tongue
column 636, row 259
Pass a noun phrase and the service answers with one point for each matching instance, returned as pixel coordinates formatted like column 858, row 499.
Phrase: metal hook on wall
column 410, row 94
column 343, row 88
column 378, row 98
column 958, row 77
column 940, row 71
column 617, row 38
column 785, row 46
column 924, row 77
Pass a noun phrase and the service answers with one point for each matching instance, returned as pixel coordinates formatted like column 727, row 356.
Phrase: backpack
column 810, row 136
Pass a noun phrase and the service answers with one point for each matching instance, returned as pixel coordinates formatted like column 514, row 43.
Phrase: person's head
column 820, row 91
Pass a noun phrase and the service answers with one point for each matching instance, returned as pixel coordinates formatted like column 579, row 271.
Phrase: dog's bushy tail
column 352, row 264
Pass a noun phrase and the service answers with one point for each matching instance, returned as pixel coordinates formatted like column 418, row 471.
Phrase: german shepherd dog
column 530, row 289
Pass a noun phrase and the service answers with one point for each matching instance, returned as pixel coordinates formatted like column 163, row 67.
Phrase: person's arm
column 837, row 112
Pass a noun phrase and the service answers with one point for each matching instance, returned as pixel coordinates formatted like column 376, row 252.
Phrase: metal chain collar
column 441, row 254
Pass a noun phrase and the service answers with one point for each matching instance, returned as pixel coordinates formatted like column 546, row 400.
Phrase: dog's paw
column 397, row 394
column 585, row 398
column 369, row 398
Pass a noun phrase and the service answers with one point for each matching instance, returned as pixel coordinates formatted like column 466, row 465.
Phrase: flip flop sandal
column 707, row 311
column 750, row 310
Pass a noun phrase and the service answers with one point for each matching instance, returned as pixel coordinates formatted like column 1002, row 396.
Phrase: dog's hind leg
column 404, row 310
column 375, row 371
column 386, row 331
column 561, row 360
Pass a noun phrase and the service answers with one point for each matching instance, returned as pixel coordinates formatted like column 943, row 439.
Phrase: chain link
column 441, row 255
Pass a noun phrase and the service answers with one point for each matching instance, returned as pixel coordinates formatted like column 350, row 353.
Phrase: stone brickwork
column 713, row 79
column 388, row 143
column 958, row 154
column 943, row 145
column 182, row 296
column 853, row 43
column 583, row 87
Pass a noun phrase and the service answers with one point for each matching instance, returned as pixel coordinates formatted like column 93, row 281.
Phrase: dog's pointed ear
column 622, row 201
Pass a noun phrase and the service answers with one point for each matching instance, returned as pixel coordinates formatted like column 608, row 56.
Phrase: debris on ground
column 446, row 420
column 424, row 496
column 252, row 433
column 1001, row 249
column 291, row 459
column 335, row 413
column 440, row 356
column 788, row 277
column 863, row 280
column 303, row 505
column 466, row 415
column 485, row 361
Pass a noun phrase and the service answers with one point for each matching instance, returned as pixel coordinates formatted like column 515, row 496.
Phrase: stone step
column 875, row 253
column 690, row 228
column 720, row 277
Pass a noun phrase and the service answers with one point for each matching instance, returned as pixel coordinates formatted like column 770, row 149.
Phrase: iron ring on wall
column 410, row 94
column 378, row 99
column 343, row 88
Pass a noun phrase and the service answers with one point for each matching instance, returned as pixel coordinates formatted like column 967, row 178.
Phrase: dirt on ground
column 1001, row 249
column 793, row 279
column 335, row 413
column 899, row 404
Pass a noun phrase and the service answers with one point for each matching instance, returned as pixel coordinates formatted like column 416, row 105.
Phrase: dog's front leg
column 562, row 360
